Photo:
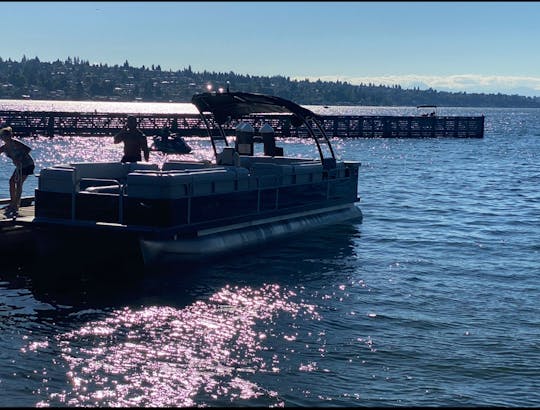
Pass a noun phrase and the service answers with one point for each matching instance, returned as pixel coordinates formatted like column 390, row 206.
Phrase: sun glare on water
column 164, row 356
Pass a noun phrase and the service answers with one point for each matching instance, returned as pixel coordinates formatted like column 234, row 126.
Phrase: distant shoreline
column 77, row 80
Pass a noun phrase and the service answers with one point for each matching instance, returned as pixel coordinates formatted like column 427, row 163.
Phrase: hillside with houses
column 77, row 79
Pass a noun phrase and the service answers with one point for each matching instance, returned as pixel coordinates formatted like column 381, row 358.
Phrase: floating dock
column 16, row 238
column 54, row 123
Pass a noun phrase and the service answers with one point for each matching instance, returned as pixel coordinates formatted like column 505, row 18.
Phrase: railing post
column 73, row 197
column 121, row 204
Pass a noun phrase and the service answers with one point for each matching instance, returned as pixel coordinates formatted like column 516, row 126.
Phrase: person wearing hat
column 134, row 142
column 19, row 153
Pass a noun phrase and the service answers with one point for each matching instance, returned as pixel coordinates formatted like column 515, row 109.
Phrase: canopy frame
column 237, row 105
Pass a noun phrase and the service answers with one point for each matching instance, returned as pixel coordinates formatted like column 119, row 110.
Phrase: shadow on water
column 299, row 259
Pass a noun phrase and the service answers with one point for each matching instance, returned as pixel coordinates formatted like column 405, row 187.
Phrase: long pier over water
column 54, row 123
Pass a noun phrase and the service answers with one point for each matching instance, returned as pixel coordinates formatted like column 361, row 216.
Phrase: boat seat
column 242, row 178
column 272, row 174
column 178, row 184
column 213, row 181
column 71, row 174
column 110, row 170
column 180, row 165
column 267, row 175
column 62, row 179
column 107, row 170
column 66, row 178
column 246, row 160
column 228, row 156
column 339, row 171
column 159, row 185
column 138, row 166
column 306, row 173
column 240, row 175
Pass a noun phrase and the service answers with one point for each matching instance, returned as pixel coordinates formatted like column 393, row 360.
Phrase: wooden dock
column 16, row 238
column 26, row 210
column 53, row 123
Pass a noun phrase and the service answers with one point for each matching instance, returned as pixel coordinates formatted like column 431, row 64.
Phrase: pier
column 16, row 239
column 54, row 123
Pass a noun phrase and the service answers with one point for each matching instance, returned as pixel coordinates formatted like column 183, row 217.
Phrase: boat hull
column 72, row 250
column 234, row 237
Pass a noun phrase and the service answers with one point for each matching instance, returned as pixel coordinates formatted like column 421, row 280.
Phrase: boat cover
column 234, row 105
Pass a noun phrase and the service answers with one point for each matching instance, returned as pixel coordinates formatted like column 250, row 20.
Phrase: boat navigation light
column 209, row 87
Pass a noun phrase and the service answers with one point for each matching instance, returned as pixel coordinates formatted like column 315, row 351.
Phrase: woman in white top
column 24, row 166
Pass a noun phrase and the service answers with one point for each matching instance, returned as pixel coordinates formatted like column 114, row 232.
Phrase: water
column 431, row 301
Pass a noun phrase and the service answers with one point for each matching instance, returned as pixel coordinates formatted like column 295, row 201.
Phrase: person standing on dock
column 24, row 166
column 134, row 142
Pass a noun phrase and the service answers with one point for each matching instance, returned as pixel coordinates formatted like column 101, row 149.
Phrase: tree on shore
column 78, row 79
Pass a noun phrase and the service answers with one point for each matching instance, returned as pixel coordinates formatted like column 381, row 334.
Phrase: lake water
column 433, row 300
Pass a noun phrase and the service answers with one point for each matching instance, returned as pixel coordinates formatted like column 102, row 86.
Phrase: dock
column 17, row 238
column 26, row 209
column 54, row 123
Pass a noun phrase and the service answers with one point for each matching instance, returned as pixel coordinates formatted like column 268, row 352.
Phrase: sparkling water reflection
column 163, row 356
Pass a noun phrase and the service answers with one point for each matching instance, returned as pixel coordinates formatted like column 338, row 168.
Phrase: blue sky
column 456, row 46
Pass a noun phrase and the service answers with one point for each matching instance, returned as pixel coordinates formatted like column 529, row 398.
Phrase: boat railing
column 121, row 191
column 105, row 198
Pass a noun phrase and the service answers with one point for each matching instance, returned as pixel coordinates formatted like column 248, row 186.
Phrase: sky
column 490, row 47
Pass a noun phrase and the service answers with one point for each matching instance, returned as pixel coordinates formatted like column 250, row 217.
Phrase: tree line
column 77, row 79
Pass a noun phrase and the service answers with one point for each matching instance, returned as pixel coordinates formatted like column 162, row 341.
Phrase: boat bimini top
column 225, row 106
column 228, row 106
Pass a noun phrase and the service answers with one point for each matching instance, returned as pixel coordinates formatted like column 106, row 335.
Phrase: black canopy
column 238, row 104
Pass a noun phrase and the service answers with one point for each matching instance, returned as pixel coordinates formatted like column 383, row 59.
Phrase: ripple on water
column 163, row 356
